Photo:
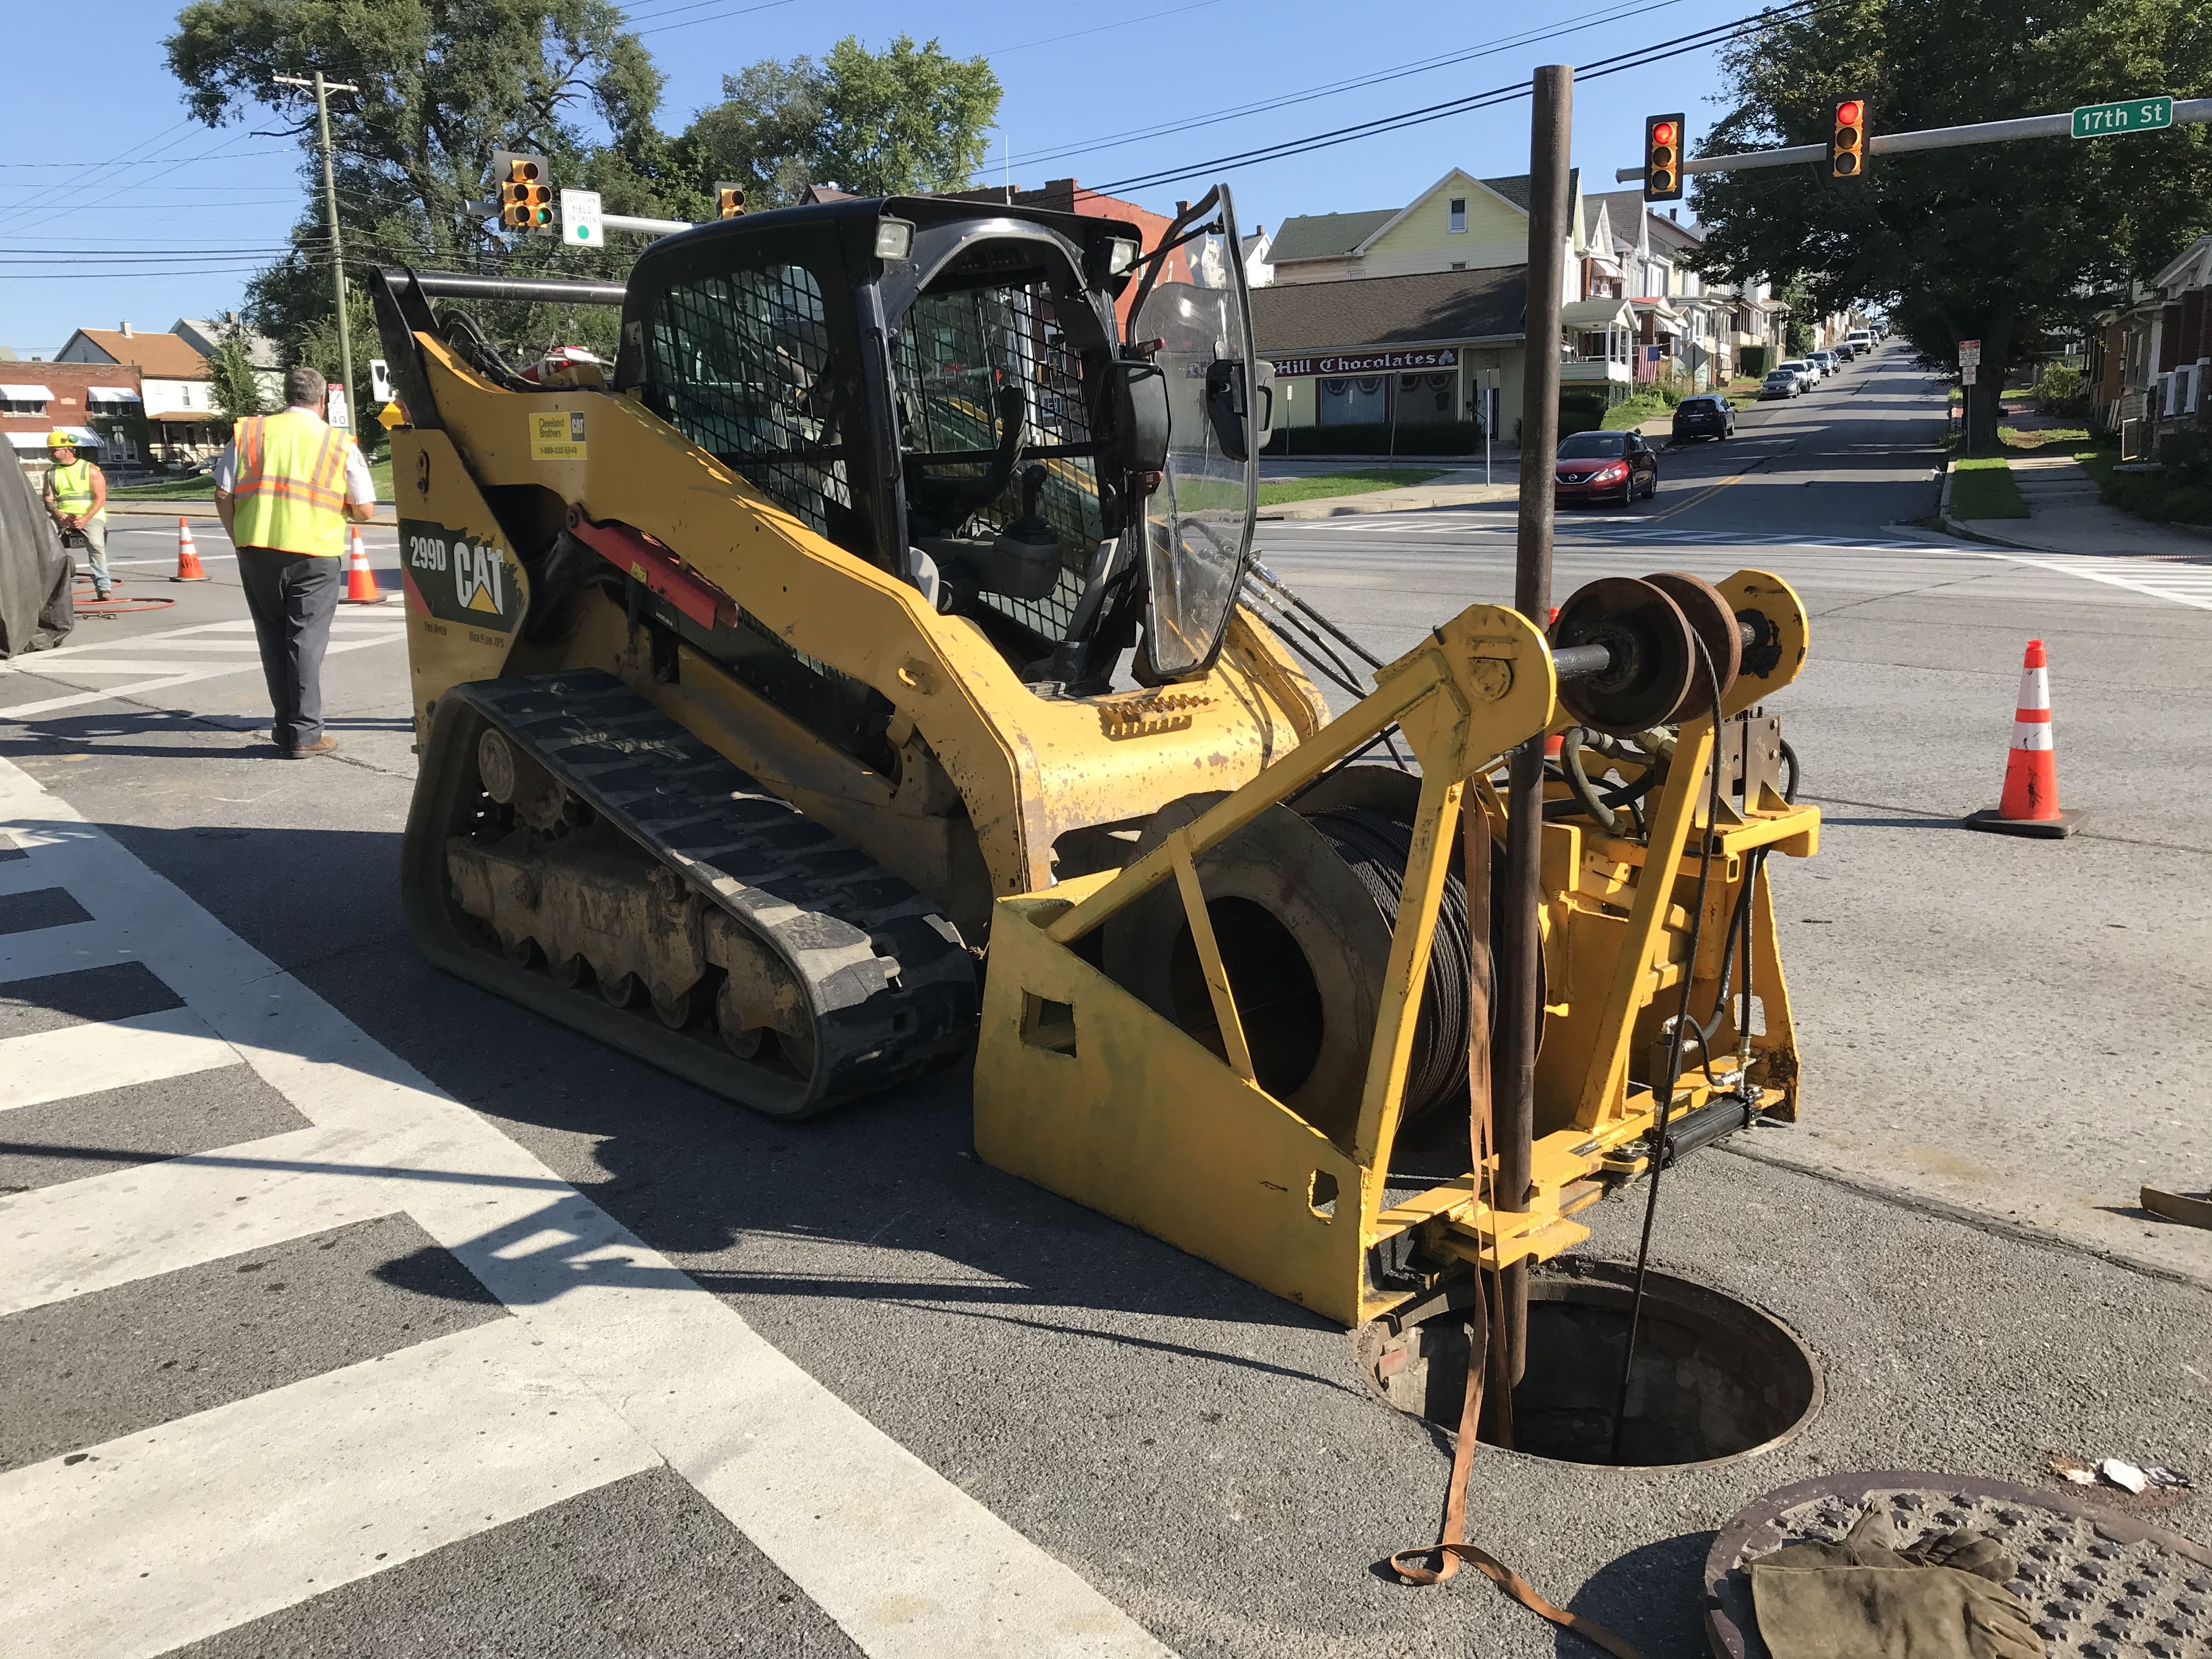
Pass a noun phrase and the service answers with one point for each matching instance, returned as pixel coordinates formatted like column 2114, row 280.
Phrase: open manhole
column 1716, row 1378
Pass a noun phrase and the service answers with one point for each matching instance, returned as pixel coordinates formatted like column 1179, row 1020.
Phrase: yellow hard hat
column 58, row 439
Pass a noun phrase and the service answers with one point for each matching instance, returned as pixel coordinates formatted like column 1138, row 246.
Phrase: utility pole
column 322, row 90
column 1521, row 1016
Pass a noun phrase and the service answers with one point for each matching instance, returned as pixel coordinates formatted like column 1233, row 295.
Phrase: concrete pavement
column 2001, row 1039
column 2067, row 514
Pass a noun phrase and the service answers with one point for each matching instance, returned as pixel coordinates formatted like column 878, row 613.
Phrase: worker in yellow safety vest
column 285, row 486
column 76, row 496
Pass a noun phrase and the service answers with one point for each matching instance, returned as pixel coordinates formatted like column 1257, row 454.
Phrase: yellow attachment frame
column 1084, row 1089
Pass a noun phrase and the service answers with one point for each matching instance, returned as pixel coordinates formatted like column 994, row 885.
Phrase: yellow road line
column 1702, row 495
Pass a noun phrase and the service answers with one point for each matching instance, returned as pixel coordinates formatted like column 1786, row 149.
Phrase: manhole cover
column 2098, row 1585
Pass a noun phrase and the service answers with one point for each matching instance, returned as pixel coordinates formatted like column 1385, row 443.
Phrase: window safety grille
column 742, row 361
column 956, row 353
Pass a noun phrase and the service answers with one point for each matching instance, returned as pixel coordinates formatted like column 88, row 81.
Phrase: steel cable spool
column 1378, row 848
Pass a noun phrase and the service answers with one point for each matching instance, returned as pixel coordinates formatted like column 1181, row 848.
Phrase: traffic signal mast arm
column 2186, row 111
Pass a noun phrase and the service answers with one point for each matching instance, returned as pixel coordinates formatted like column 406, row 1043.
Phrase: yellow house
column 1460, row 222
column 1392, row 318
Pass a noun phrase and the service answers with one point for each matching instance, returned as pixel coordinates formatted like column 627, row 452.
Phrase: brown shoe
column 322, row 745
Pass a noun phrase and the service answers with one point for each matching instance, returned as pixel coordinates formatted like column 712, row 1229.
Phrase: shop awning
column 110, row 394
column 37, row 440
column 25, row 394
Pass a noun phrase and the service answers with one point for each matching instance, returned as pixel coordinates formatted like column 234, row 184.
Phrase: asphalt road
column 346, row 1309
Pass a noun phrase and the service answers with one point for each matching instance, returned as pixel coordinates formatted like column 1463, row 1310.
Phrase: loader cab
column 937, row 387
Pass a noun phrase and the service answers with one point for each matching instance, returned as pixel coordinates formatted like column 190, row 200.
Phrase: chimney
column 1675, row 216
column 230, row 317
column 126, row 328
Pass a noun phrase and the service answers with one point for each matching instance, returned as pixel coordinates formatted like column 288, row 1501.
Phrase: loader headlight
column 894, row 239
column 1120, row 256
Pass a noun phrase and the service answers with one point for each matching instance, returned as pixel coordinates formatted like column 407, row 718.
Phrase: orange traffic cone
column 361, row 580
column 188, row 559
column 2029, row 805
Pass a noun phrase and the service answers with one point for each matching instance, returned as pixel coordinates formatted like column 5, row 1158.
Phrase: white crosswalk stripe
column 235, row 1512
column 167, row 1536
column 172, row 657
column 82, row 1060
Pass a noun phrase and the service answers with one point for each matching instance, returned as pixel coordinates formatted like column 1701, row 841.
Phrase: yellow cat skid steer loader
column 889, row 599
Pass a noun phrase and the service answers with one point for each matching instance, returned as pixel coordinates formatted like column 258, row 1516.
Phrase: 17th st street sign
column 2128, row 115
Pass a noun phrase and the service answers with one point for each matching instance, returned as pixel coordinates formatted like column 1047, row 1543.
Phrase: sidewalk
column 2066, row 515
column 1458, row 486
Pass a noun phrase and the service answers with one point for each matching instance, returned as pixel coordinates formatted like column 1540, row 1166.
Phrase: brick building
column 97, row 403
column 182, row 423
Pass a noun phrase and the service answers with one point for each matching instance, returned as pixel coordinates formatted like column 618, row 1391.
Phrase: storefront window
column 1353, row 401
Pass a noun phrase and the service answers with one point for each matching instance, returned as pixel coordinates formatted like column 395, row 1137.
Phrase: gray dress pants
column 293, row 597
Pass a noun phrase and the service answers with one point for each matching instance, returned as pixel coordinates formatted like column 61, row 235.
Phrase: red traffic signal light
column 1662, row 158
column 1847, row 151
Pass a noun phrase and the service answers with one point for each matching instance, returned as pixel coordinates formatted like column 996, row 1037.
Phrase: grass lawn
column 2013, row 437
column 201, row 489
column 1275, row 492
column 1983, row 488
column 2161, row 497
column 1634, row 412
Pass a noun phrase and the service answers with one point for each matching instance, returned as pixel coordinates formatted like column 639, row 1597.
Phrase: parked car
column 1781, row 381
column 1860, row 339
column 1827, row 362
column 1706, row 416
column 1604, row 466
column 1807, row 371
column 1845, row 352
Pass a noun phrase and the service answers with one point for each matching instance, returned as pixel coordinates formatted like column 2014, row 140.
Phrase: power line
column 1100, row 29
column 148, row 160
column 52, row 192
column 1397, row 72
column 1637, row 57
column 712, row 17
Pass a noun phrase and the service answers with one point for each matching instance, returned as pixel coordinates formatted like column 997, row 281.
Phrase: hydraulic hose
column 1678, row 1029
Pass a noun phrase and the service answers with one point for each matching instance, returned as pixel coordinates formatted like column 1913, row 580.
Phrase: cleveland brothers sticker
column 557, row 437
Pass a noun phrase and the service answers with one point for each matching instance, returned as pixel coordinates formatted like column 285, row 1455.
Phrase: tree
column 232, row 381
column 443, row 83
column 2000, row 243
column 906, row 119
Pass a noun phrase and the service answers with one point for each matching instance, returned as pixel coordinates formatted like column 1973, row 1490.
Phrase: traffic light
column 1662, row 158
column 526, row 192
column 729, row 200
column 1847, row 156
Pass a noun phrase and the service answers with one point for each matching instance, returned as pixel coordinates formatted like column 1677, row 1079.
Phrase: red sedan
column 1604, row 466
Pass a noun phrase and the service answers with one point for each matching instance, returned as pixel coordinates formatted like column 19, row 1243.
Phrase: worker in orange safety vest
column 285, row 486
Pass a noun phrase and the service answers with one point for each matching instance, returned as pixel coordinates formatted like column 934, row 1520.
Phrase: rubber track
column 893, row 987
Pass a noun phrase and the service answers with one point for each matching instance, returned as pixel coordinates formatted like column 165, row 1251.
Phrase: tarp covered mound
column 35, row 612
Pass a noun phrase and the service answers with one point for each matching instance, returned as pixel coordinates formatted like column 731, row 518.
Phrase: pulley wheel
column 1713, row 621
column 1654, row 655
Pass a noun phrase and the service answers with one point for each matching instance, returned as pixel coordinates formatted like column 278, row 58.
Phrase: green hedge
column 1581, row 408
column 1752, row 360
column 1375, row 438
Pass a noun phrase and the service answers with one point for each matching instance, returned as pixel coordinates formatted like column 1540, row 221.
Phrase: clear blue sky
column 214, row 204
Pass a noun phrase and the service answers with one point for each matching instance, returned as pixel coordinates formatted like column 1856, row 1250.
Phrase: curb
column 1391, row 500
column 197, row 508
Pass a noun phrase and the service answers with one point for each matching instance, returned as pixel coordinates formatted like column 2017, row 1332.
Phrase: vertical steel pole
column 337, row 255
column 1551, row 120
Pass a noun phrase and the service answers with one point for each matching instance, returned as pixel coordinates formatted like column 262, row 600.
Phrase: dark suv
column 1706, row 416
